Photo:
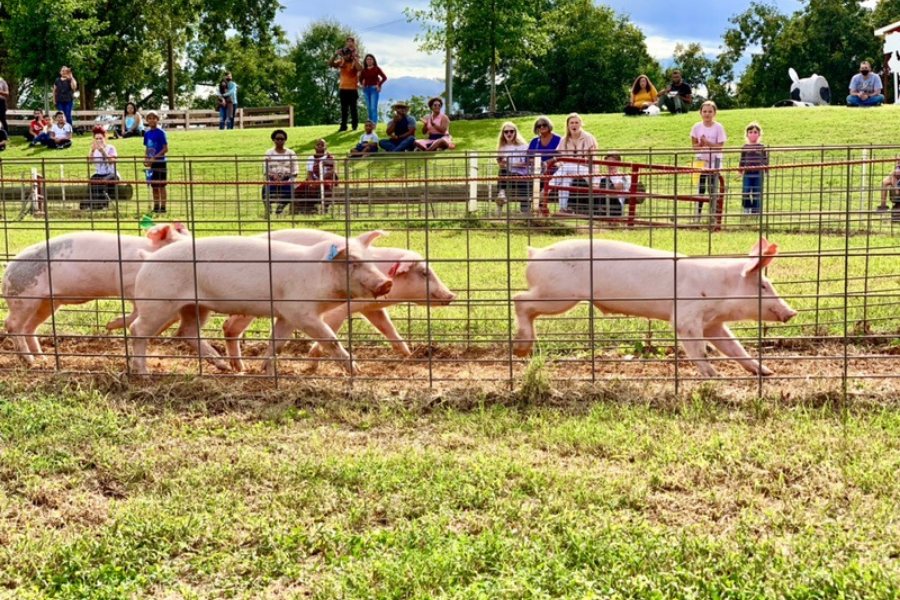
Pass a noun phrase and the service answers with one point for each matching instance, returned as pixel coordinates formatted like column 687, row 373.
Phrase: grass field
column 190, row 488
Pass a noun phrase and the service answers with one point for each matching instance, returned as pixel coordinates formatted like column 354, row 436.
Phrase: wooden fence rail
column 267, row 116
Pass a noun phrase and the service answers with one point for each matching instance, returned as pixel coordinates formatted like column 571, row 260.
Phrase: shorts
column 159, row 174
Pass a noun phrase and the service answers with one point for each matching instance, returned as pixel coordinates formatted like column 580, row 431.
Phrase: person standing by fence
column 230, row 95
column 753, row 156
column 155, row 160
column 371, row 78
column 64, row 89
column 4, row 101
column 347, row 61
column 708, row 138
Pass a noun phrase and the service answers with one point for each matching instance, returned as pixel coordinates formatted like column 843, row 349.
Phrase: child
column 888, row 184
column 708, row 138
column 319, row 167
column 753, row 156
column 512, row 158
column 155, row 161
column 60, row 136
column 37, row 129
column 614, row 181
column 368, row 142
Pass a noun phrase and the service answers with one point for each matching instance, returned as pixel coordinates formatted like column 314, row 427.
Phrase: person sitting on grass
column 368, row 142
column 889, row 187
column 37, row 129
column 60, row 135
column 401, row 130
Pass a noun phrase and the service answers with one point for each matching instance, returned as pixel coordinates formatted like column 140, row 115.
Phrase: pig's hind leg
column 22, row 323
column 721, row 337
column 233, row 329
column 529, row 306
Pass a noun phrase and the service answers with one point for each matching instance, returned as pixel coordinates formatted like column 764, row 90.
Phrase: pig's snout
column 787, row 314
column 443, row 298
column 384, row 288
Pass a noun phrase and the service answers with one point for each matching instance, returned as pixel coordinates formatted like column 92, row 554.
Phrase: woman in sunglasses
column 512, row 157
column 281, row 168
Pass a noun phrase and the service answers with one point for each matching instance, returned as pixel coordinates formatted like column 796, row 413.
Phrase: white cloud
column 399, row 56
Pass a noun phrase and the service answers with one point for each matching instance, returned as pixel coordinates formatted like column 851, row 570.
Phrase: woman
column 281, row 168
column 319, row 167
column 132, row 124
column 578, row 144
column 512, row 157
column 103, row 156
column 226, row 106
column 436, row 129
column 546, row 143
column 643, row 94
column 371, row 78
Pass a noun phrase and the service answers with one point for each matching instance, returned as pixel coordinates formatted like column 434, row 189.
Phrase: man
column 865, row 87
column 4, row 98
column 347, row 60
column 676, row 96
column 401, row 130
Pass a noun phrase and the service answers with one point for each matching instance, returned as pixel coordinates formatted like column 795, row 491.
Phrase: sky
column 384, row 32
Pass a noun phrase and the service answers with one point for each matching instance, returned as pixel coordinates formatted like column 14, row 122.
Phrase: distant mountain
column 404, row 88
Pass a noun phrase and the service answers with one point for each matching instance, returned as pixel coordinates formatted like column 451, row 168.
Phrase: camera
column 346, row 51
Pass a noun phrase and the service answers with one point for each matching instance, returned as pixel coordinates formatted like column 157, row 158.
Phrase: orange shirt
column 349, row 76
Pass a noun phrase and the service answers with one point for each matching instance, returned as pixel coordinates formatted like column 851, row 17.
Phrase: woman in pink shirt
column 577, row 143
column 436, row 129
column 371, row 78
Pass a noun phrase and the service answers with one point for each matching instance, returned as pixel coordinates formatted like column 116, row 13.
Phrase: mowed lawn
column 188, row 488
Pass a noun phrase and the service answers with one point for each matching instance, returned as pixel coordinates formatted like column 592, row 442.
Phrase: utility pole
column 448, row 64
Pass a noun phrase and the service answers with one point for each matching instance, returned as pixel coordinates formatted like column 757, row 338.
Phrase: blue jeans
column 226, row 116
column 870, row 101
column 66, row 109
column 401, row 146
column 753, row 188
column 371, row 94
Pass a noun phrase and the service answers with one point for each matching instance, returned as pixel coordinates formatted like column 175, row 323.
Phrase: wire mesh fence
column 838, row 268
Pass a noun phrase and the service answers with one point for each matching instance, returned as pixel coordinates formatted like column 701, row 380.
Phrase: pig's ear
column 400, row 267
column 336, row 251
column 762, row 254
column 367, row 238
column 531, row 252
column 158, row 233
column 180, row 228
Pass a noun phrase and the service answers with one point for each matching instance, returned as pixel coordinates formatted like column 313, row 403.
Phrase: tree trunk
column 170, row 67
column 493, row 105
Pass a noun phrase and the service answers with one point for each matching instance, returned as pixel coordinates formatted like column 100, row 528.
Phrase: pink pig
column 82, row 266
column 294, row 285
column 414, row 281
column 641, row 282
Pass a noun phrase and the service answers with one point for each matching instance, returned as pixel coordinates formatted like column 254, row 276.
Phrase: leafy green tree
column 593, row 59
column 310, row 84
column 485, row 36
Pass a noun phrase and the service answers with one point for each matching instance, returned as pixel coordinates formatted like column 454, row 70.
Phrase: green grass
column 213, row 497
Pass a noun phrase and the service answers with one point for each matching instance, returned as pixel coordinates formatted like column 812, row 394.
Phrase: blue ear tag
column 333, row 252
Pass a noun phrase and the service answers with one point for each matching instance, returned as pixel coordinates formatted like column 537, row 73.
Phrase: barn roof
column 888, row 29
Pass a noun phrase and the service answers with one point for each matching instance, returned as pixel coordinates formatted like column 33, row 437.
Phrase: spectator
column 865, row 87
column 60, row 134
column 347, row 61
column 613, row 180
column 889, row 187
column 319, row 168
column 546, row 143
column 281, row 169
column 708, row 138
column 132, row 123
column 230, row 96
column 155, row 160
column 436, row 127
column 512, row 158
column 677, row 96
column 643, row 94
column 103, row 156
column 371, row 78
column 64, row 89
column 753, row 156
column 579, row 144
column 368, row 142
column 401, row 130
column 4, row 139
column 4, row 101
column 37, row 129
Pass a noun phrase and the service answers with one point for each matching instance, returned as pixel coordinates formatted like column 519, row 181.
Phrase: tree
column 485, row 36
column 311, row 85
column 593, row 59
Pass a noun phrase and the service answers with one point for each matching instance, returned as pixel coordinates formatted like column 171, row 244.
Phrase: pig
column 82, row 267
column 413, row 281
column 293, row 284
column 641, row 282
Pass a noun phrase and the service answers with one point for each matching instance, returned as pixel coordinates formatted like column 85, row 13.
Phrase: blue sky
column 385, row 32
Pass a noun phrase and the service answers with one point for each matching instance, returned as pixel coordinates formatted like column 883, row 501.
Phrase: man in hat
column 401, row 130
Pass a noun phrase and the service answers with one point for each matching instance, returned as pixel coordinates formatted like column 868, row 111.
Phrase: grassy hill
column 781, row 127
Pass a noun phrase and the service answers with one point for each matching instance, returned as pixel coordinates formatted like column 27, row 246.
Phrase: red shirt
column 37, row 127
column 372, row 76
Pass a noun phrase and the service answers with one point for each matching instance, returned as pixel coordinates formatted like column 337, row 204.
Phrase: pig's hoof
column 766, row 371
column 522, row 350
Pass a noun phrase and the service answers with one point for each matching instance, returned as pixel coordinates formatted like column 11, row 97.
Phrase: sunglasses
column 542, row 125
column 279, row 139
column 508, row 132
